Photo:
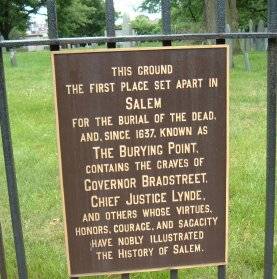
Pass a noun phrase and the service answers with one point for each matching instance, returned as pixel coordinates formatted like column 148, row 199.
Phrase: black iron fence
column 166, row 38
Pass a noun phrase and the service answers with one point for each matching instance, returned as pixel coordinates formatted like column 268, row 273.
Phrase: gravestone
column 247, row 41
column 243, row 47
column 266, row 40
column 251, row 30
column 260, row 43
column 126, row 30
column 13, row 57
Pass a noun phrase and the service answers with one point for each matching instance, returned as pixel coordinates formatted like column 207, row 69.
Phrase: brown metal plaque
column 143, row 146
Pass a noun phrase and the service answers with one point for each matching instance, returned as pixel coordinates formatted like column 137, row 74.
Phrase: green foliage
column 191, row 11
column 15, row 14
column 251, row 9
column 16, row 34
column 81, row 17
column 152, row 6
column 95, row 24
column 144, row 26
column 186, row 15
column 75, row 17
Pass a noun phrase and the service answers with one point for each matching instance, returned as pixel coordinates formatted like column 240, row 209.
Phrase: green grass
column 34, row 139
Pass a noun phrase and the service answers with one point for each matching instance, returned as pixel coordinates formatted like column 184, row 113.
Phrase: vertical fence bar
column 52, row 23
column 173, row 274
column 220, row 28
column 166, row 19
column 53, row 33
column 271, row 141
column 11, row 176
column 221, row 272
column 110, row 22
column 220, row 19
column 110, row 26
column 3, row 271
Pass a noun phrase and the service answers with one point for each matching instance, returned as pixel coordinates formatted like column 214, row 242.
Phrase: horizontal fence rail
column 3, row 270
column 141, row 38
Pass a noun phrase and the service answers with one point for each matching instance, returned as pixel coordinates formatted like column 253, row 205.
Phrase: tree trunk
column 5, row 27
column 210, row 15
column 5, row 34
column 233, row 20
column 232, row 14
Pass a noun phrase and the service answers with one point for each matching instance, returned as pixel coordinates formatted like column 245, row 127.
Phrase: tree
column 198, row 11
column 144, row 26
column 210, row 15
column 231, row 15
column 251, row 9
column 75, row 17
column 81, row 17
column 15, row 14
column 186, row 14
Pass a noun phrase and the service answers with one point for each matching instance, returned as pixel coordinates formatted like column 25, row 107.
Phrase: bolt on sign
column 143, row 147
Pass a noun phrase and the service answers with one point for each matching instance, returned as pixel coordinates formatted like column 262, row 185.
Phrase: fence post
column 52, row 23
column 271, row 141
column 110, row 26
column 173, row 274
column 220, row 28
column 166, row 19
column 53, row 33
column 220, row 20
column 11, row 176
column 3, row 271
column 110, row 22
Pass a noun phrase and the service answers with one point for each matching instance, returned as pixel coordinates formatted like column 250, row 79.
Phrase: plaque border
column 102, row 50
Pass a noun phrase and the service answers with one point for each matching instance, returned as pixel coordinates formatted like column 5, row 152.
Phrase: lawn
column 30, row 97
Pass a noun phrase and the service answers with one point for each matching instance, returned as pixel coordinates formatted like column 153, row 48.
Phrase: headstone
column 266, row 40
column 126, row 30
column 251, row 30
column 246, row 59
column 242, row 43
column 143, row 154
column 260, row 43
column 13, row 57
column 247, row 41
